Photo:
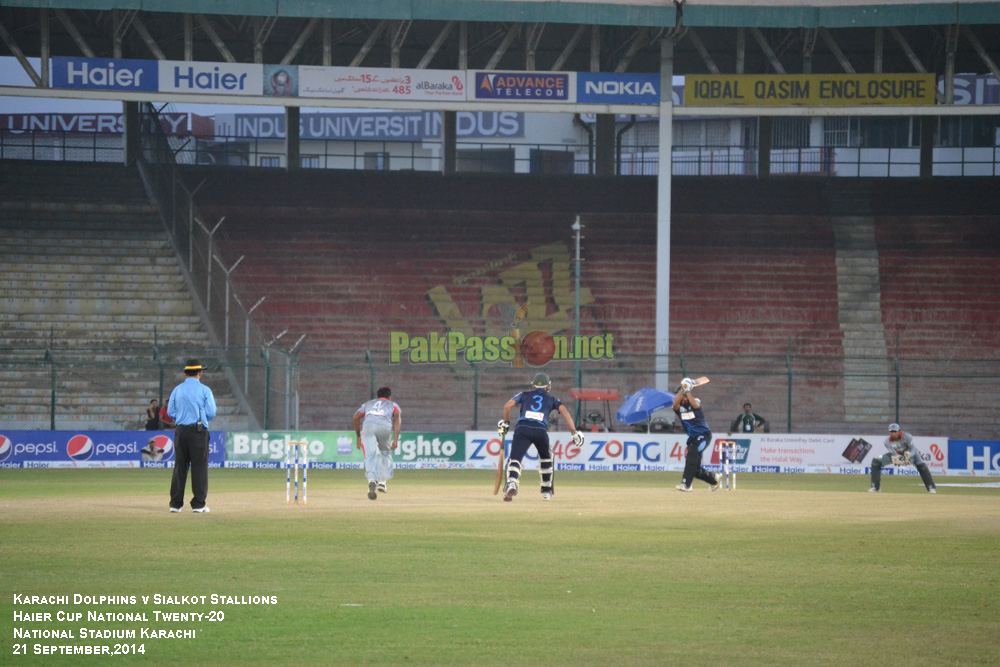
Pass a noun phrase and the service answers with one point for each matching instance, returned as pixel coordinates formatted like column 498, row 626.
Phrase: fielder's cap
column 541, row 380
column 894, row 426
column 193, row 365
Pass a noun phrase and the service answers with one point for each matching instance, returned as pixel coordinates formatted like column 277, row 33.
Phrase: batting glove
column 577, row 438
column 502, row 427
column 687, row 384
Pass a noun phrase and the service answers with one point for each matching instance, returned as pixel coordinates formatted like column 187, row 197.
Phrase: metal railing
column 509, row 157
column 239, row 338
column 65, row 388
column 60, row 388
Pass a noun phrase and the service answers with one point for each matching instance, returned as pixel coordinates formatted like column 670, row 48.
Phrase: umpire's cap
column 193, row 367
column 541, row 380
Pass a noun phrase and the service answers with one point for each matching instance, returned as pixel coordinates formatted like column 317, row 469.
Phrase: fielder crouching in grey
column 378, row 438
column 901, row 452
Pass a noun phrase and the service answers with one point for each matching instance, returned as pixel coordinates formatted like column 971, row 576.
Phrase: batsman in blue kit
column 533, row 429
column 692, row 418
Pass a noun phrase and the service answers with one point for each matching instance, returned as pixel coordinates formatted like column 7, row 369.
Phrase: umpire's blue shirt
column 191, row 402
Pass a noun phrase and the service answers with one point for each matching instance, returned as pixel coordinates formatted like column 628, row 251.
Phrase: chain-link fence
column 269, row 388
column 59, row 388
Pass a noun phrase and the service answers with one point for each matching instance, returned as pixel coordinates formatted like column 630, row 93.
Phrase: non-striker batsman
column 533, row 429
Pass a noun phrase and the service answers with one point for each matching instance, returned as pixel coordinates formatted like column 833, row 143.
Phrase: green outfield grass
column 618, row 569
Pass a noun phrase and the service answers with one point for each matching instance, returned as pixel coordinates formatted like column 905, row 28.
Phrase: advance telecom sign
column 310, row 82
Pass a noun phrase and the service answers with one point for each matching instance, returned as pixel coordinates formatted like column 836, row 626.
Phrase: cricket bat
column 700, row 381
column 499, row 482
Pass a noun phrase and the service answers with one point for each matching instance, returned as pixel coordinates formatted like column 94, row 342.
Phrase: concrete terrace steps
column 110, row 321
column 86, row 267
column 86, row 244
column 141, row 305
column 54, row 206
column 150, row 283
column 100, row 254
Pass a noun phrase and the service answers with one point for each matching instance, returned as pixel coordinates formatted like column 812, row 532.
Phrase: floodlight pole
column 576, row 341
column 663, row 195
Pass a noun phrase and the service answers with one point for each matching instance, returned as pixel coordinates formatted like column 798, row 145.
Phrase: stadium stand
column 90, row 275
column 819, row 277
column 346, row 262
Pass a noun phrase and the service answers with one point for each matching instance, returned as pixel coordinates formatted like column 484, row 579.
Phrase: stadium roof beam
column 837, row 53
column 911, row 56
column 436, row 45
column 768, row 51
column 327, row 42
column 19, row 54
column 699, row 46
column 215, row 39
column 531, row 39
column 949, row 64
column 144, row 34
column 639, row 39
column 879, row 48
column 512, row 32
column 44, row 45
column 808, row 46
column 188, row 38
column 978, row 48
column 74, row 33
column 568, row 49
column 400, row 29
column 300, row 41
column 262, row 28
column 122, row 21
column 369, row 43
column 264, row 33
column 741, row 50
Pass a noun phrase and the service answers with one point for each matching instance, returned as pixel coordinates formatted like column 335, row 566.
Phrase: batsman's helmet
column 541, row 380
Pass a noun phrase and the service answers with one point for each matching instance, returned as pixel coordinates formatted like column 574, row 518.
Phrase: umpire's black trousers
column 191, row 449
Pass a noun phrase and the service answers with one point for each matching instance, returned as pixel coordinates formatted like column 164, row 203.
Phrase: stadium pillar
column 605, row 137
column 130, row 126
column 449, row 134
column 663, row 198
column 764, row 146
column 927, row 146
column 293, row 158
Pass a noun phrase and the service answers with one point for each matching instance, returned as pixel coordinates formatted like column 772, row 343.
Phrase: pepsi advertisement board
column 97, row 449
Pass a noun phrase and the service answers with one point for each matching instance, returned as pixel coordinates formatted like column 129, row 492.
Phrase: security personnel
column 533, row 429
column 192, row 406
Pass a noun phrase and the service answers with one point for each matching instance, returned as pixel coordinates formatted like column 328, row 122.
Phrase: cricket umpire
column 533, row 429
column 192, row 407
column 901, row 452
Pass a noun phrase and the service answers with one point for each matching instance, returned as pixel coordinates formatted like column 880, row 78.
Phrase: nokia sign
column 610, row 88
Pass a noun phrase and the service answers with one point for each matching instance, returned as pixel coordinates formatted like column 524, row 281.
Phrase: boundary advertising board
column 758, row 452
